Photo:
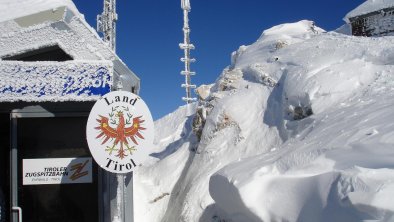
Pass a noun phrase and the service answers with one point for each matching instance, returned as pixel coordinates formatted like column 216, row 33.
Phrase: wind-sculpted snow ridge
column 335, row 165
column 155, row 182
column 340, row 168
column 297, row 128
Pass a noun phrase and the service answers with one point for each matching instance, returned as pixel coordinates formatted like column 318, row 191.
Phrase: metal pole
column 14, row 170
column 120, row 200
column 106, row 23
column 130, row 205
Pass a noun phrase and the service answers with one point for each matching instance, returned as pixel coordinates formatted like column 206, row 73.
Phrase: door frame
column 16, row 213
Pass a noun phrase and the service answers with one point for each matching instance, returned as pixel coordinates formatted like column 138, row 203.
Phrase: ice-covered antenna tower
column 106, row 22
column 187, row 46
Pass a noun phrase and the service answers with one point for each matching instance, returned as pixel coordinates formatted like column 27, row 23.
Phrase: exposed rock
column 302, row 112
column 280, row 44
column 199, row 121
column 203, row 91
column 160, row 197
column 229, row 79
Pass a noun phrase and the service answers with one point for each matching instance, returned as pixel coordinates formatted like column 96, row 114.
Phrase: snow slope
column 335, row 165
column 297, row 128
column 154, row 183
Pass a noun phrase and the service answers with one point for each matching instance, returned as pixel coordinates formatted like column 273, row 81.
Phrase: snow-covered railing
column 54, row 81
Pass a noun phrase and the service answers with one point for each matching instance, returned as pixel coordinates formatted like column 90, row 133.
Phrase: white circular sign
column 120, row 131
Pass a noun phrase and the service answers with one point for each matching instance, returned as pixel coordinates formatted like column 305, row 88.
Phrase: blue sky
column 149, row 31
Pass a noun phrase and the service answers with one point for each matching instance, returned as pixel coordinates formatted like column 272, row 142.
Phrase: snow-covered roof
column 368, row 7
column 11, row 9
column 29, row 25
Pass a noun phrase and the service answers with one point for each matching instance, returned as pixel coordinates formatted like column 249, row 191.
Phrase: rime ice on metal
column 187, row 46
column 106, row 23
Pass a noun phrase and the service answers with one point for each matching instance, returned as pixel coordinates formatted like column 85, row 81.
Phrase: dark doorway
column 4, row 165
column 50, row 138
column 51, row 53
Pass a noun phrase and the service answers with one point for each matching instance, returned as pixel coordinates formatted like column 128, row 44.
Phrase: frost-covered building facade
column 372, row 18
column 53, row 67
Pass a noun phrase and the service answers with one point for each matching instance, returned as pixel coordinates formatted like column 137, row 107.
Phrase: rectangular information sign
column 57, row 171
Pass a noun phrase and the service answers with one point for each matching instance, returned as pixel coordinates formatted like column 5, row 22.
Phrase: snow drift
column 297, row 128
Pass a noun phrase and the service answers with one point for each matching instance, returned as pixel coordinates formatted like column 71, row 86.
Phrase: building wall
column 374, row 24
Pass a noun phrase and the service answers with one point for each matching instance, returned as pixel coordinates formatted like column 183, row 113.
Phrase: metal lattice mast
column 187, row 46
column 106, row 23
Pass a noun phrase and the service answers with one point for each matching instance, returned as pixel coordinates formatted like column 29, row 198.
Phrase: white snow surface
column 73, row 34
column 11, row 9
column 256, row 163
column 368, row 7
